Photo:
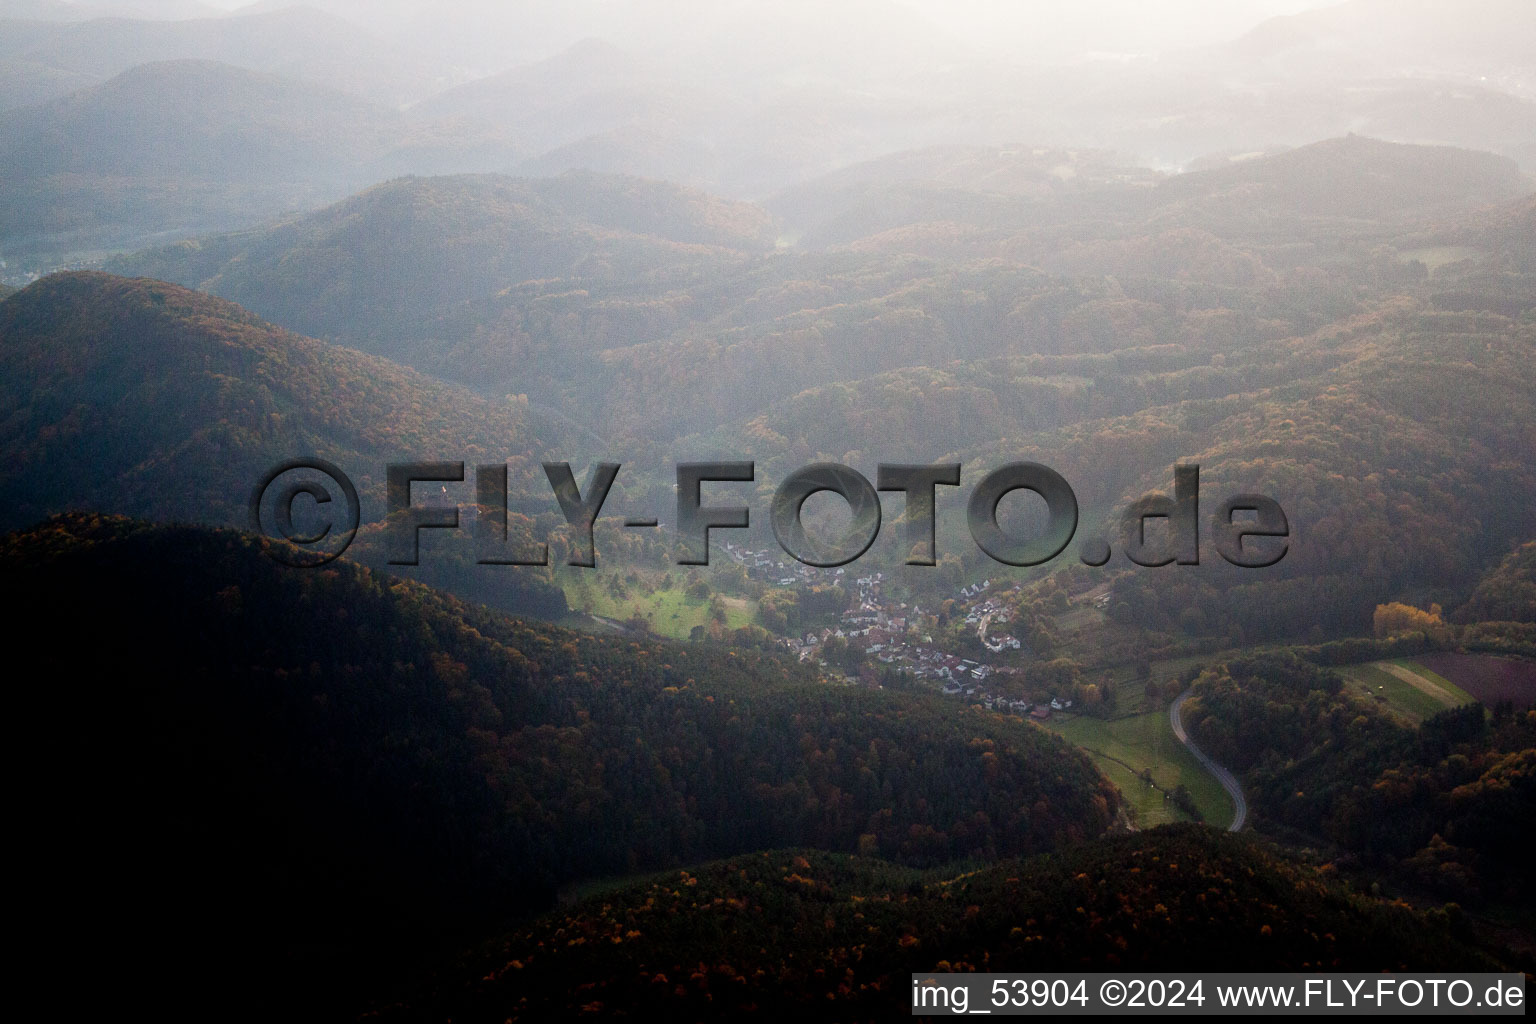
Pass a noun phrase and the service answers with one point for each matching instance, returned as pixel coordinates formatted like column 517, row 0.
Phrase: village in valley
column 886, row 631
column 1048, row 649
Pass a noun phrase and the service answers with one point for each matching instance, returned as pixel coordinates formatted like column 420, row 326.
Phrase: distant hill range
column 1022, row 187
column 480, row 279
column 1276, row 318
column 392, row 263
column 195, row 119
column 681, row 95
column 592, row 87
column 184, row 147
column 180, row 147
column 296, row 41
column 1475, row 38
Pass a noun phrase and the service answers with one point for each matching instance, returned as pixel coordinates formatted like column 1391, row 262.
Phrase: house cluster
column 875, row 626
column 984, row 613
column 770, row 567
column 868, row 590
column 879, row 627
column 978, row 695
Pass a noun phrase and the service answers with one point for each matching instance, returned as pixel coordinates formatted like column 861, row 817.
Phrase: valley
column 416, row 732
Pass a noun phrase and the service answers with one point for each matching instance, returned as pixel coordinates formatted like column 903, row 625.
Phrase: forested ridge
column 137, row 396
column 363, row 753
column 1439, row 808
column 134, row 396
column 1363, row 358
column 1507, row 593
column 834, row 937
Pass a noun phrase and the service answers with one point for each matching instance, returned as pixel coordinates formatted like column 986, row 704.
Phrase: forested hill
column 265, row 755
column 140, row 397
column 384, row 268
column 1364, row 345
column 653, row 312
column 838, row 938
column 154, row 150
column 1016, row 194
column 1507, row 593
column 1435, row 808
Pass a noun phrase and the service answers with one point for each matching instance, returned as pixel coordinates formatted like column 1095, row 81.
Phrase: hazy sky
column 1114, row 25
column 1031, row 27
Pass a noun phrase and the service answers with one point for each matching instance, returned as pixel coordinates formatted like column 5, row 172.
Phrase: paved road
column 1227, row 780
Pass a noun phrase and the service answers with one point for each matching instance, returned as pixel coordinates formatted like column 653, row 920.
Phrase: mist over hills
column 175, row 148
column 198, row 119
column 994, row 192
column 295, row 41
column 761, row 98
column 394, row 263
column 591, row 87
column 1292, row 242
column 1269, row 318
column 24, row 83
column 481, row 276
column 1478, row 40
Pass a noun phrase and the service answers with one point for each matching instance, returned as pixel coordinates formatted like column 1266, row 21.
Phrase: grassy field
column 1146, row 741
column 669, row 612
column 1385, row 683
column 1439, row 256
column 1078, row 617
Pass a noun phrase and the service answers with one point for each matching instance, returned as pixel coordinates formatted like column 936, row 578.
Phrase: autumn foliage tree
column 1395, row 618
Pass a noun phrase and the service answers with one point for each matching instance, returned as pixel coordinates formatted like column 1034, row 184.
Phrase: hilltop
column 295, row 40
column 417, row 268
column 183, row 146
column 137, row 396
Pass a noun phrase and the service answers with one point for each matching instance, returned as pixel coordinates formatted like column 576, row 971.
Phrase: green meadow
column 1123, row 747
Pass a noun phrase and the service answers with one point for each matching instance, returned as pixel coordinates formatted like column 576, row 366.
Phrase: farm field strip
column 1400, row 698
column 1427, row 682
column 1146, row 741
column 1485, row 677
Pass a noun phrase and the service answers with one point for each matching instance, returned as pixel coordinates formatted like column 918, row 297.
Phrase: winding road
column 1227, row 779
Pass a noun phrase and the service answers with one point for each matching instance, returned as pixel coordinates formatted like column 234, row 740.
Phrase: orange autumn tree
column 1392, row 619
